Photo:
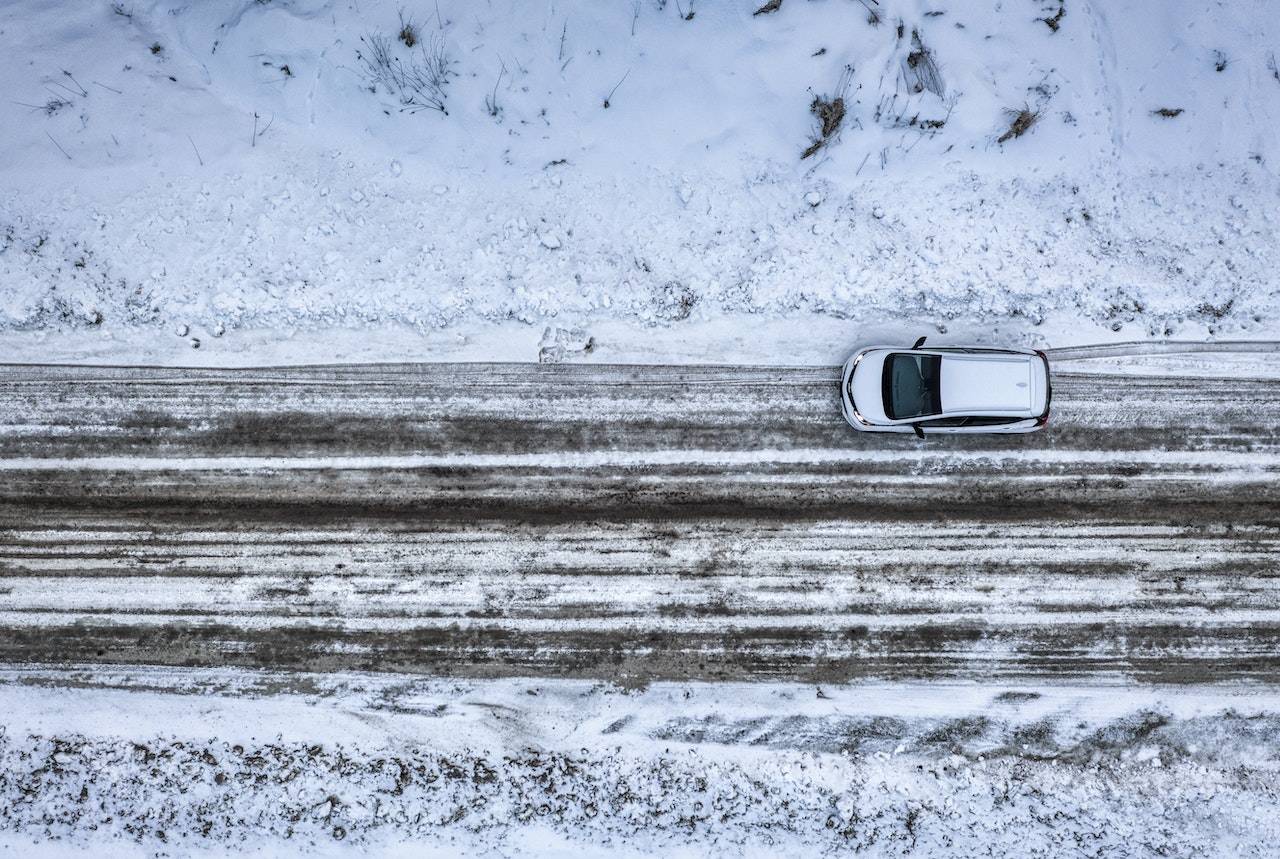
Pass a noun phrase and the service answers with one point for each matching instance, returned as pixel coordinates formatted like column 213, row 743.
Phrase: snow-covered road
column 632, row 524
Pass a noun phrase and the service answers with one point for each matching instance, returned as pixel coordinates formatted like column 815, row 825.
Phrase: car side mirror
column 919, row 343
column 918, row 430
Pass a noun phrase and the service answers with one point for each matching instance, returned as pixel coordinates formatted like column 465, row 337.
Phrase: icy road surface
column 632, row 524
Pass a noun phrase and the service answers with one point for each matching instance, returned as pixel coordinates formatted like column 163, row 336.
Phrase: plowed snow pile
column 283, row 178
column 211, row 761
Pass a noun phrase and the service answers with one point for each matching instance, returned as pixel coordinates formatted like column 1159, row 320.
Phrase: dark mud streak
column 1143, row 653
column 304, row 553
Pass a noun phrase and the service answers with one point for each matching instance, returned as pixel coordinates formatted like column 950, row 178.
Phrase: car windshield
column 911, row 385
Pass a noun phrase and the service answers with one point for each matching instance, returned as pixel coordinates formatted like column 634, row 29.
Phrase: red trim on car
column 1048, row 390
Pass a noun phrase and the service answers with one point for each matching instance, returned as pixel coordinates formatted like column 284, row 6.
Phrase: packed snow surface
column 197, row 182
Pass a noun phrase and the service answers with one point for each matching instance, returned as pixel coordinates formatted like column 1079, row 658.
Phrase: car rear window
column 911, row 385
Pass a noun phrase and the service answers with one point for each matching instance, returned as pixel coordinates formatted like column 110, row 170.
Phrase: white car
column 948, row 389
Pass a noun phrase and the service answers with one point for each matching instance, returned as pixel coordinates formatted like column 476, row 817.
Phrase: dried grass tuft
column 419, row 84
column 1020, row 122
column 1054, row 22
column 921, row 69
column 829, row 111
column 408, row 31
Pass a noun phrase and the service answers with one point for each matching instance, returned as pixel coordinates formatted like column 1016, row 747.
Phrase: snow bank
column 546, row 768
column 233, row 167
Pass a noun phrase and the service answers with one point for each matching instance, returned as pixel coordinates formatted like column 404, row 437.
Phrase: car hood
column 988, row 384
column 865, row 386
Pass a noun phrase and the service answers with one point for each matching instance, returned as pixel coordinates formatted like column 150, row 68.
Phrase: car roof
column 995, row 383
